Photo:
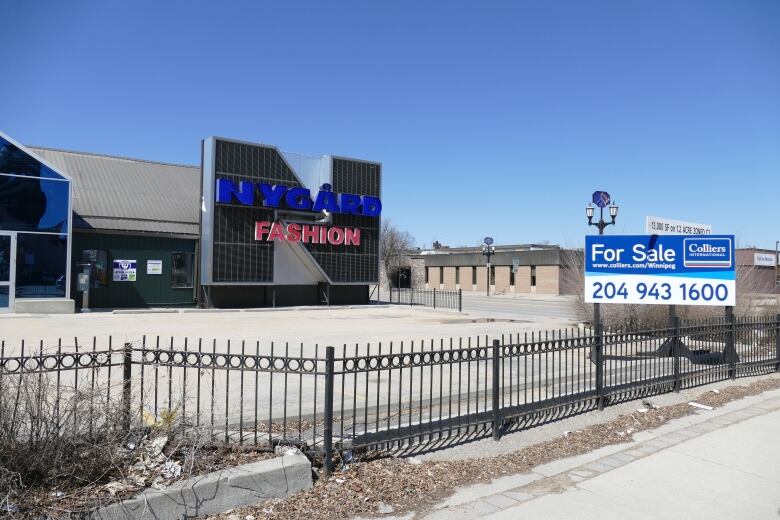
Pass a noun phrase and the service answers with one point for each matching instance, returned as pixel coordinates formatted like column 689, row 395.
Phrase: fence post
column 599, row 356
column 730, row 352
column 496, row 383
column 327, row 464
column 676, row 344
column 460, row 303
column 411, row 297
column 127, row 374
column 777, row 342
column 434, row 297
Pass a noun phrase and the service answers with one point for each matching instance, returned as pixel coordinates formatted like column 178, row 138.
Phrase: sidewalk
column 716, row 464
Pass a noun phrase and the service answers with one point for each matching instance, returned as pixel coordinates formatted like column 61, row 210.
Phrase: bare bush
column 396, row 244
column 53, row 436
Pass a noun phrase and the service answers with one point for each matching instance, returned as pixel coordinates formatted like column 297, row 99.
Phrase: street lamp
column 488, row 249
column 601, row 224
column 601, row 198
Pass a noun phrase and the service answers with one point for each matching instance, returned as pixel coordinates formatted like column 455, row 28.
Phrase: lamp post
column 601, row 224
column 488, row 249
column 602, row 199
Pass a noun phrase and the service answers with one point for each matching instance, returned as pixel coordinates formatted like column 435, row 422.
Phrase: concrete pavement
column 719, row 464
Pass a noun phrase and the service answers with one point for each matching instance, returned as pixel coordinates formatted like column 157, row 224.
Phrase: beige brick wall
column 547, row 279
column 523, row 279
column 481, row 278
column 449, row 277
column 502, row 278
column 434, row 277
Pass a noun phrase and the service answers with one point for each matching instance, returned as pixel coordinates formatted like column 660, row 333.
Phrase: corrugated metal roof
column 117, row 193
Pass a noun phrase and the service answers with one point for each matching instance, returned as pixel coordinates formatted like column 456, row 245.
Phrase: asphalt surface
column 521, row 307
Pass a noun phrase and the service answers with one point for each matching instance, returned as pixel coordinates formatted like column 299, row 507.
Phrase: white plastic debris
column 642, row 410
column 171, row 469
column 414, row 460
column 715, row 391
column 385, row 509
column 340, row 480
column 155, row 447
column 57, row 494
column 702, row 406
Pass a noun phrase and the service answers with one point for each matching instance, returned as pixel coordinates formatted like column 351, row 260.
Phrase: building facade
column 81, row 229
column 514, row 269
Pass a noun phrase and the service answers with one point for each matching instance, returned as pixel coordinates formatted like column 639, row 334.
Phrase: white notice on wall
column 154, row 267
column 764, row 259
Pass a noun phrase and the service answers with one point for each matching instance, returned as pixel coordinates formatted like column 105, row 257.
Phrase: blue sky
column 490, row 118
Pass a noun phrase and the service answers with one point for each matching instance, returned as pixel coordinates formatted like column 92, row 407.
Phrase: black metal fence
column 398, row 395
column 436, row 298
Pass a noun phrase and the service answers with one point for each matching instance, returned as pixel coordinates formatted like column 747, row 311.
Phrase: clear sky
column 490, row 118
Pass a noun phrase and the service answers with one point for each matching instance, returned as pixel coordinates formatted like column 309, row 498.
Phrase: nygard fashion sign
column 308, row 234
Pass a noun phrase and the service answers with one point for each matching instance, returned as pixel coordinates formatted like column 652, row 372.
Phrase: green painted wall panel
column 148, row 290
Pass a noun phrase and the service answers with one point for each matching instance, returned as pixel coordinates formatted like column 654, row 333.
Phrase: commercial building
column 757, row 271
column 250, row 226
column 514, row 269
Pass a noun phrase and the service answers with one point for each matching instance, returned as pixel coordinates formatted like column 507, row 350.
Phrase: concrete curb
column 216, row 492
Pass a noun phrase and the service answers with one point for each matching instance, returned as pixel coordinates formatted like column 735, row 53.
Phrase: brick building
column 541, row 269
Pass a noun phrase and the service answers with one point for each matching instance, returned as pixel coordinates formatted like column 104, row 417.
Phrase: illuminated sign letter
column 272, row 194
column 335, row 236
column 326, row 200
column 298, row 198
column 261, row 228
column 350, row 204
column 276, row 232
column 351, row 236
column 309, row 234
column 294, row 232
column 372, row 206
column 244, row 193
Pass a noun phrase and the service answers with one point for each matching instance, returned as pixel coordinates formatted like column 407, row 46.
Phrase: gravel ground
column 377, row 484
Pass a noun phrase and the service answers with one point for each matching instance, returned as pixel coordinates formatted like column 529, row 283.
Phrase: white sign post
column 667, row 226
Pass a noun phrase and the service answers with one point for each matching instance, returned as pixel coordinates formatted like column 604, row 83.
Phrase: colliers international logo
column 707, row 252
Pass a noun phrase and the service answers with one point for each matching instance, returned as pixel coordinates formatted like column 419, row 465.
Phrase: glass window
column 441, row 275
column 5, row 258
column 16, row 162
column 182, row 270
column 33, row 204
column 512, row 277
column 533, row 276
column 492, row 275
column 473, row 276
column 457, row 276
column 41, row 265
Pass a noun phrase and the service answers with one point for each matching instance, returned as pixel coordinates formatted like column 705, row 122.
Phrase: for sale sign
column 660, row 269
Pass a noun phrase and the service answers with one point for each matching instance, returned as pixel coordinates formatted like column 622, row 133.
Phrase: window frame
column 191, row 267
